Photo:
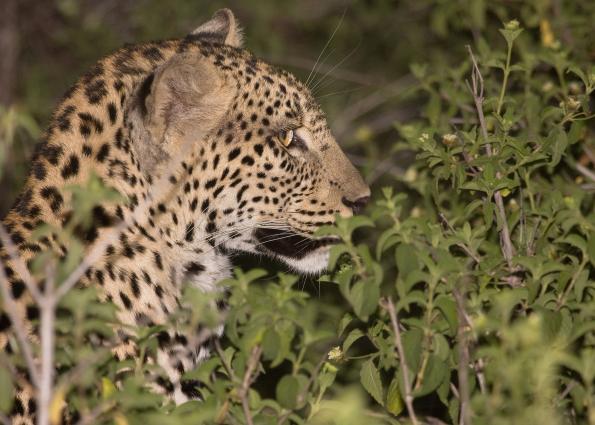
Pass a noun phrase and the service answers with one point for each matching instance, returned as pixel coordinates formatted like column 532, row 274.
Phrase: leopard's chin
column 305, row 255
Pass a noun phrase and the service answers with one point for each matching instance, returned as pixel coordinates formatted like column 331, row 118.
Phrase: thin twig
column 479, row 366
column 585, row 171
column 590, row 154
column 390, row 307
column 463, row 373
column 566, row 391
column 476, row 89
column 223, row 362
column 247, row 381
column 461, row 245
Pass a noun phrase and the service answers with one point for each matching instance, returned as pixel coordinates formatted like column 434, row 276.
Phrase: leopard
column 213, row 152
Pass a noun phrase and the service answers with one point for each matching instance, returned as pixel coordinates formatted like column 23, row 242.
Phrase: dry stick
column 476, row 90
column 463, row 374
column 585, row 171
column 247, row 381
column 388, row 304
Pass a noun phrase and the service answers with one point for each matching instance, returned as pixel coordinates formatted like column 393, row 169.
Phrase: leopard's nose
column 357, row 205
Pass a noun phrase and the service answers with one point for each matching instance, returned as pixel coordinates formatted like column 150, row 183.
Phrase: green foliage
column 519, row 327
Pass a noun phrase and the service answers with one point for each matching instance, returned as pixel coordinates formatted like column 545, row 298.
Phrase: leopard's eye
column 286, row 137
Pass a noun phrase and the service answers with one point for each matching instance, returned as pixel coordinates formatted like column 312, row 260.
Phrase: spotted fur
column 187, row 131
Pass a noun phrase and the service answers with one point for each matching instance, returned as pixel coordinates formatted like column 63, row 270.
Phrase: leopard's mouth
column 288, row 243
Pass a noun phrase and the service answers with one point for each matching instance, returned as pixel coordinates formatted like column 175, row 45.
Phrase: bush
column 469, row 297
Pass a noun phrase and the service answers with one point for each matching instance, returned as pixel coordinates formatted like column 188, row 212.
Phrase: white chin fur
column 315, row 262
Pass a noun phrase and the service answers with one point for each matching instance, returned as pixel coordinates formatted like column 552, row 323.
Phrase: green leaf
column 434, row 373
column 412, row 344
column 335, row 253
column 370, row 379
column 327, row 376
column 345, row 321
column 204, row 370
column 511, row 34
column 353, row 336
column 406, row 257
column 270, row 344
column 557, row 141
column 364, row 298
column 394, row 403
column 488, row 213
column 448, row 308
column 287, row 391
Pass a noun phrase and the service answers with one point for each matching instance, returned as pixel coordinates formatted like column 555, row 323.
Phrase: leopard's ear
column 222, row 28
column 183, row 100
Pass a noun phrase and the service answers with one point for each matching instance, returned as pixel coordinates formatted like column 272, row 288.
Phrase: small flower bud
column 512, row 25
column 572, row 104
column 575, row 88
column 335, row 354
column 547, row 86
column 449, row 139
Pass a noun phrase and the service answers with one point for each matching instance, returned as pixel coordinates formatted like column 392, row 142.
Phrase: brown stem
column 476, row 89
column 247, row 381
column 463, row 372
column 390, row 307
column 47, row 307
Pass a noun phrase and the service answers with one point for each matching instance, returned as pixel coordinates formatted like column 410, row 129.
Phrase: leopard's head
column 265, row 170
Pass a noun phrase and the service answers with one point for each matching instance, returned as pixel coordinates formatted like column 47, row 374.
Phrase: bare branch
column 390, row 307
column 47, row 307
column 585, row 171
column 476, row 89
column 247, row 381
column 463, row 342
